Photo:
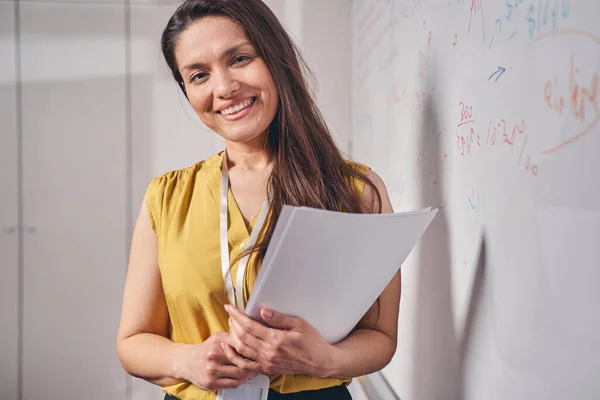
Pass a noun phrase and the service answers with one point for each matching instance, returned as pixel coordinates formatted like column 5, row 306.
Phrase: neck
column 249, row 156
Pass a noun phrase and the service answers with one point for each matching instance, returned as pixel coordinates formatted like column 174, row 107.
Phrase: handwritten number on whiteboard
column 554, row 15
column 521, row 130
column 522, row 150
column 510, row 9
column 546, row 14
column 566, row 5
column 493, row 135
column 503, row 129
column 460, row 144
column 510, row 140
column 531, row 20
column 466, row 112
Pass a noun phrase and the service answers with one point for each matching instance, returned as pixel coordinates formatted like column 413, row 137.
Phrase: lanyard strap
column 236, row 297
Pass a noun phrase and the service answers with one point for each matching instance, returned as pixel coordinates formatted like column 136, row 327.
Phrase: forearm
column 151, row 357
column 363, row 352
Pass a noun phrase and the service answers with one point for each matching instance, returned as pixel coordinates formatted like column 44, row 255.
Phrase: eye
column 241, row 59
column 198, row 77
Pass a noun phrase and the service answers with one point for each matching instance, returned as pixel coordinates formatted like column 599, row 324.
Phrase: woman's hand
column 206, row 366
column 290, row 346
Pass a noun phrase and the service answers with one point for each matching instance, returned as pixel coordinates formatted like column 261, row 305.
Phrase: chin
column 243, row 136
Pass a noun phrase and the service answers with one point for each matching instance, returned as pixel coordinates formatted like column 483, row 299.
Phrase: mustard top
column 184, row 212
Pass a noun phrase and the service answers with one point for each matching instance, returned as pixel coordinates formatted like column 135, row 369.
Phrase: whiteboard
column 488, row 110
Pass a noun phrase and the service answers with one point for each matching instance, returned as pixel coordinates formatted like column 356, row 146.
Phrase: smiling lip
column 240, row 114
column 233, row 103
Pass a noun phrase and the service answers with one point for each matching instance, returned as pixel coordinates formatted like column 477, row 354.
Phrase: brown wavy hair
column 308, row 168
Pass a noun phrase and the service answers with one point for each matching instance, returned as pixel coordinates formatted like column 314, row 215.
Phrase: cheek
column 260, row 77
column 271, row 91
column 273, row 104
column 200, row 103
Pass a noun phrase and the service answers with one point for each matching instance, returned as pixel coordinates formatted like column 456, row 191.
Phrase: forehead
column 208, row 38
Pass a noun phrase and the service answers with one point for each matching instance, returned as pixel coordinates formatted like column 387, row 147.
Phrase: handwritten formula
column 500, row 134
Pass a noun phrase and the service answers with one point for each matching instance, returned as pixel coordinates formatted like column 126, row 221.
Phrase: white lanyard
column 235, row 297
column 255, row 388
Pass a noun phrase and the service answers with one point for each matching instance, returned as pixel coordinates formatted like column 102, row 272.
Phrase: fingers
column 221, row 373
column 244, row 364
column 215, row 354
column 217, row 371
column 250, row 326
column 236, row 373
column 220, row 376
column 279, row 320
column 243, row 342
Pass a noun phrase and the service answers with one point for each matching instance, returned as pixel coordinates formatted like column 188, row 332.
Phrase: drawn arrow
column 500, row 71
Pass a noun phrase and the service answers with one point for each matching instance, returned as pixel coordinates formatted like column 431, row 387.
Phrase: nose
column 226, row 85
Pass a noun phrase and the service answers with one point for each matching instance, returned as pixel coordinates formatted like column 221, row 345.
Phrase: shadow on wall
column 476, row 305
column 437, row 372
column 440, row 354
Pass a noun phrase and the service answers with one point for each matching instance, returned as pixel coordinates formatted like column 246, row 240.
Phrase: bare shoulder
column 370, row 199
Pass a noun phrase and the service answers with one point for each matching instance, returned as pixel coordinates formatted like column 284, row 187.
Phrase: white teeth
column 239, row 107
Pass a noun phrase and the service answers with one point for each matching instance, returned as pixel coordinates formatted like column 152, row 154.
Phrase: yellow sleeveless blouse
column 184, row 212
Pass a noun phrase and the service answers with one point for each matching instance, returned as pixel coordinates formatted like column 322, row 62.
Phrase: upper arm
column 382, row 316
column 144, row 308
column 369, row 197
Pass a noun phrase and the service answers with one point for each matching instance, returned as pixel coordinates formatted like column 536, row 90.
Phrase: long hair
column 308, row 168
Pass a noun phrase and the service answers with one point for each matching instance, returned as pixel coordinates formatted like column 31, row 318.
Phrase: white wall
column 74, row 128
column 326, row 46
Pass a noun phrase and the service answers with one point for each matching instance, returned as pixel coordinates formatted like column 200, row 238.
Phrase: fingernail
column 227, row 307
column 268, row 313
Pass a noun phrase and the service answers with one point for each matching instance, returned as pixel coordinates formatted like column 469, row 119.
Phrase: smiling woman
column 245, row 79
column 226, row 83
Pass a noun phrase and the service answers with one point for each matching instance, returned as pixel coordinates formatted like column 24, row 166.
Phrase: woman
column 242, row 75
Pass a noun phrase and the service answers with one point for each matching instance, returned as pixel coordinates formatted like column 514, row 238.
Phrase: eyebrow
column 225, row 54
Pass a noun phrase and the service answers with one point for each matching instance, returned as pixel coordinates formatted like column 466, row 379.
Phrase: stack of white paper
column 329, row 267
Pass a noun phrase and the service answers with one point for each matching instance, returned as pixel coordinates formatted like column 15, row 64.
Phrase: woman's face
column 227, row 83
